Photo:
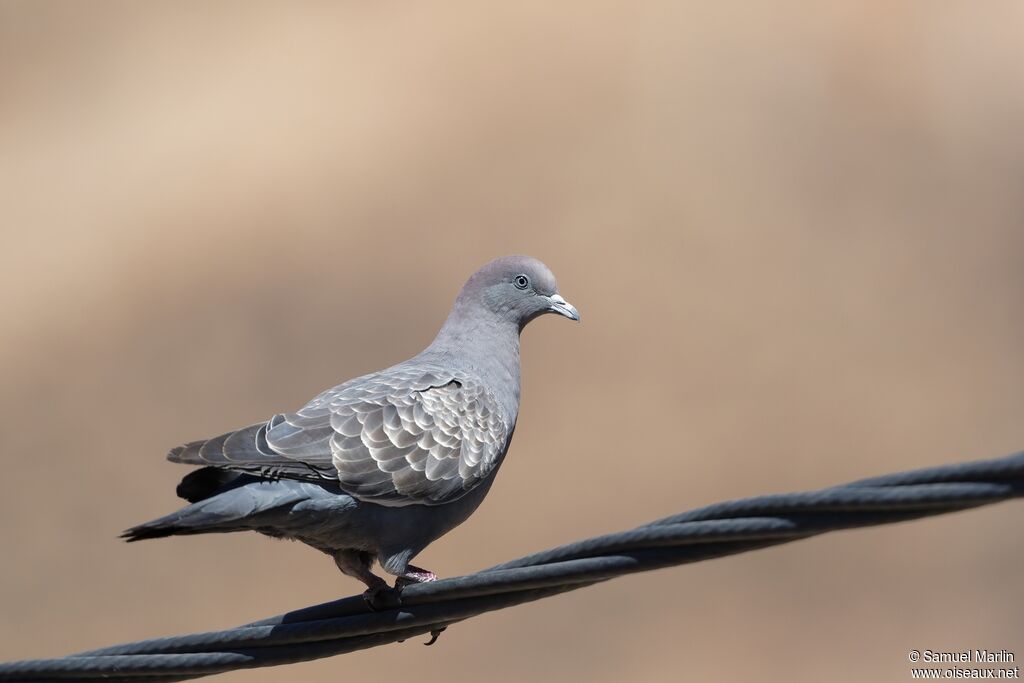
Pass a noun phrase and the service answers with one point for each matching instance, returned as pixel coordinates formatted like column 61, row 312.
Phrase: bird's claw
column 382, row 597
column 434, row 635
column 385, row 597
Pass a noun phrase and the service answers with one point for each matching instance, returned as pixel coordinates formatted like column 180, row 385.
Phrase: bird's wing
column 247, row 450
column 398, row 437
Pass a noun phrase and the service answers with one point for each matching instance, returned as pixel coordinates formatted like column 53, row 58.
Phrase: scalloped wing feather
column 399, row 437
column 423, row 438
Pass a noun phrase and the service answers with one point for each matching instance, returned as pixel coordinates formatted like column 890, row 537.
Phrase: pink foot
column 415, row 575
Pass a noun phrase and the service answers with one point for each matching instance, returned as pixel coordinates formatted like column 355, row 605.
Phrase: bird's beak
column 563, row 307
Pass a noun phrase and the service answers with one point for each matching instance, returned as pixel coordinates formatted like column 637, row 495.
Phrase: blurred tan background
column 795, row 232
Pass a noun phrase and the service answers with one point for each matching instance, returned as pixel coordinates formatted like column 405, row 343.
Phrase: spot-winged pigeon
column 382, row 465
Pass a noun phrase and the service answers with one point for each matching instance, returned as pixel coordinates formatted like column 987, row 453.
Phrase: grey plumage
column 382, row 465
column 414, row 433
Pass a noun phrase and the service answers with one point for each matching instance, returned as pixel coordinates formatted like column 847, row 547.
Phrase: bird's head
column 516, row 289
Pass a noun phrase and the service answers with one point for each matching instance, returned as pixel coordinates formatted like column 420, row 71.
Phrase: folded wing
column 398, row 437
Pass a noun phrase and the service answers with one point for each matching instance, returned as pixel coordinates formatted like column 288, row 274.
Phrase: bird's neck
column 481, row 342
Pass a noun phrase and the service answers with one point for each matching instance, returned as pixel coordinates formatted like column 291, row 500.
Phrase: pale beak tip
column 562, row 307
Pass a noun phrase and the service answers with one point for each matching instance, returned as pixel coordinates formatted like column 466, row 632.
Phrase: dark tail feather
column 203, row 516
column 196, row 486
column 205, row 482
column 191, row 519
column 216, row 514
column 221, row 502
column 154, row 529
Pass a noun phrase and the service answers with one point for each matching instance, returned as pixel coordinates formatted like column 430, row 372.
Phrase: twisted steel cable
column 716, row 530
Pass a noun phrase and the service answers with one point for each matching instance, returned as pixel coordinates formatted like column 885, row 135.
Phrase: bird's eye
column 521, row 281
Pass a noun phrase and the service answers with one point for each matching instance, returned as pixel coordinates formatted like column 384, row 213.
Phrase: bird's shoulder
column 431, row 384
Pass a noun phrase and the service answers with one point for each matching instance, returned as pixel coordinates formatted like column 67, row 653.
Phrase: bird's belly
column 332, row 521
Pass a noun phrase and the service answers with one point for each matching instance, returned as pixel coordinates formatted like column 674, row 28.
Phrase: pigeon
column 379, row 467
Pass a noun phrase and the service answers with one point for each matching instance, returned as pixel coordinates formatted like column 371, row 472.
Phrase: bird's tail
column 158, row 528
column 235, row 508
column 199, row 518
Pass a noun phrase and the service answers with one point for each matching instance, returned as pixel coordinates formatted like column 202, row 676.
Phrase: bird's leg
column 378, row 593
column 414, row 574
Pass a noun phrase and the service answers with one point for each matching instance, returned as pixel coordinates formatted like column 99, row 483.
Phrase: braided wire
column 717, row 530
